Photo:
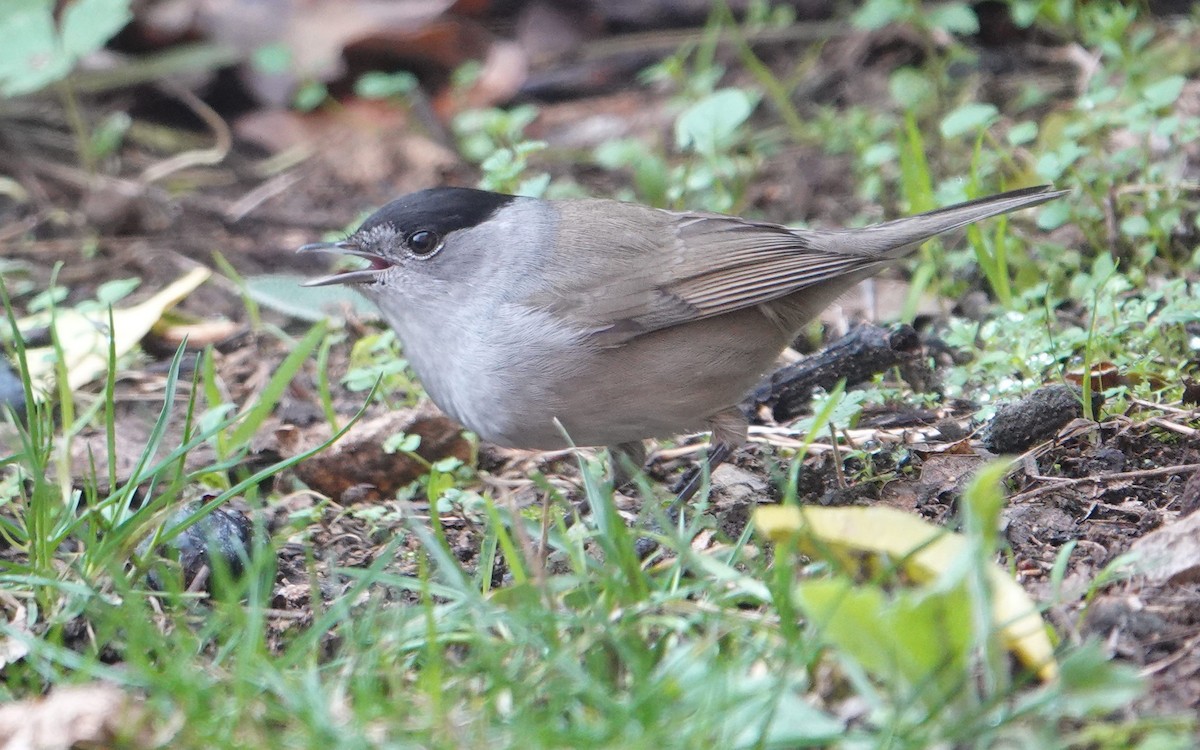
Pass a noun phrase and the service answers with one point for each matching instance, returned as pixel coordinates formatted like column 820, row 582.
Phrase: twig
column 207, row 204
column 287, row 614
column 1164, row 407
column 667, row 42
column 201, row 579
column 1087, row 63
column 1172, row 426
column 18, row 228
column 1187, row 649
column 837, row 458
column 197, row 157
column 1104, row 478
column 267, row 190
column 525, row 543
column 1154, row 187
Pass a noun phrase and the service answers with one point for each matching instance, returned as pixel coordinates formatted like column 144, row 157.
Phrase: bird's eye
column 423, row 242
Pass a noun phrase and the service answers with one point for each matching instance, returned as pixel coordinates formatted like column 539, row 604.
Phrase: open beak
column 347, row 247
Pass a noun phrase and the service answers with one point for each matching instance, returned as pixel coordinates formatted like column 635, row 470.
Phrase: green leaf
column 111, row 292
column 1022, row 133
column 1135, row 226
column 842, row 410
column 876, row 14
column 535, row 186
column 968, row 119
column 791, row 720
column 273, row 59
column 1024, row 12
column 710, row 126
column 1054, row 215
column 915, row 178
column 620, row 153
column 912, row 89
column 1093, row 685
column 87, row 25
column 983, row 500
column 956, row 18
column 913, row 639
column 379, row 85
column 765, row 710
column 29, row 57
column 880, row 154
column 402, row 443
column 309, row 96
column 36, row 51
column 1053, row 164
column 1164, row 93
column 47, row 298
column 109, row 134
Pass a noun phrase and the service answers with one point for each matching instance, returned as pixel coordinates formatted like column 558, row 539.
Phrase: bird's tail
column 895, row 239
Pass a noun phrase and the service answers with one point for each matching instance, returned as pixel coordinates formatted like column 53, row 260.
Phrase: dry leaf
column 85, row 337
column 14, row 647
column 357, row 468
column 1171, row 554
column 926, row 552
column 93, row 715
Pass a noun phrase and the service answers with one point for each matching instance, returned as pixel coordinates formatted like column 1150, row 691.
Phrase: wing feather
column 660, row 268
column 712, row 265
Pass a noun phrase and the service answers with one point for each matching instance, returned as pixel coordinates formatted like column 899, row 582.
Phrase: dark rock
column 12, row 390
column 224, row 534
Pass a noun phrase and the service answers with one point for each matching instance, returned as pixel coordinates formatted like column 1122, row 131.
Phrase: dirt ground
column 1098, row 487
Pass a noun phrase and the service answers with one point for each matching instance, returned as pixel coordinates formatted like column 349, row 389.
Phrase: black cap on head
column 440, row 210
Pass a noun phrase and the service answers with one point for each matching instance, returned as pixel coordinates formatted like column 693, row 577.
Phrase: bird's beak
column 347, row 247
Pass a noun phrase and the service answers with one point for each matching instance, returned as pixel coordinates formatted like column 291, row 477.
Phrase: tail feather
column 896, row 238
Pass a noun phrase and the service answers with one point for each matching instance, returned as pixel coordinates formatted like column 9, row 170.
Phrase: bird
column 547, row 324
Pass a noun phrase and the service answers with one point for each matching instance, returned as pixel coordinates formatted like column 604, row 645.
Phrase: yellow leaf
column 924, row 551
column 85, row 337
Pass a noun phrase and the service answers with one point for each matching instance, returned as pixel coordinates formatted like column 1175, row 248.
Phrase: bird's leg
column 694, row 479
column 728, row 432
column 625, row 461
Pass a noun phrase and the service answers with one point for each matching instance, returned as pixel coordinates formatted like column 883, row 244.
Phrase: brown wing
column 661, row 269
column 746, row 264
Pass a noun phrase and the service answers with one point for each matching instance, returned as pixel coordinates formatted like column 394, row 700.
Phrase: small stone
column 733, row 484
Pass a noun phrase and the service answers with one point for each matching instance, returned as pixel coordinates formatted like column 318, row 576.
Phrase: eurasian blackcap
column 532, row 320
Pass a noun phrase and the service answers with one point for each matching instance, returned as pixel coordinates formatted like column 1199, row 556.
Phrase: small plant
column 1144, row 336
column 42, row 48
column 494, row 139
column 376, row 361
column 443, row 481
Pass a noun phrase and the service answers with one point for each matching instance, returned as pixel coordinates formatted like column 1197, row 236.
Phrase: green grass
column 580, row 644
column 590, row 650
